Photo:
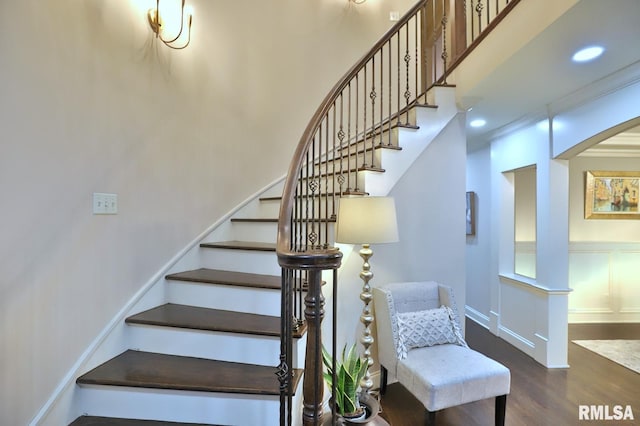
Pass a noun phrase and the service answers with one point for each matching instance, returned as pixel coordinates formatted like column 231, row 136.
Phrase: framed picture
column 611, row 195
column 471, row 213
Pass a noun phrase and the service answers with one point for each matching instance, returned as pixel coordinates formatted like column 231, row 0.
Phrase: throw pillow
column 431, row 327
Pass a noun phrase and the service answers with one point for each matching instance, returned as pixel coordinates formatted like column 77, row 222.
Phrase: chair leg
column 383, row 380
column 501, row 408
column 431, row 418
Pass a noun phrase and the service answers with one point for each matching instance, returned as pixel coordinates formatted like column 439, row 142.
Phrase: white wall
column 430, row 204
column 478, row 248
column 90, row 103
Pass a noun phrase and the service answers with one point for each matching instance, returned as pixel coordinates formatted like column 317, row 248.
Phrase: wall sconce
column 357, row 1
column 156, row 22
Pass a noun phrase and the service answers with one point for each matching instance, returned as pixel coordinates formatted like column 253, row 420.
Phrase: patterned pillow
column 420, row 329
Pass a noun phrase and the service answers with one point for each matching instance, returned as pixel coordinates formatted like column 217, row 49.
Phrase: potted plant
column 348, row 402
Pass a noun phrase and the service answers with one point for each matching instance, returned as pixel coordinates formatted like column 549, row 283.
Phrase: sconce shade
column 367, row 220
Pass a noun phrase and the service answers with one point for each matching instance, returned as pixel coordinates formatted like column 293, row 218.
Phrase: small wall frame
column 611, row 195
column 471, row 213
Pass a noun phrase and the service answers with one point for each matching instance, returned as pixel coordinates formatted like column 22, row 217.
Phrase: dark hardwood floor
column 539, row 396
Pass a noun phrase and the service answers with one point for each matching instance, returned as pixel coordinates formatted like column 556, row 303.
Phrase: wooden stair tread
column 198, row 318
column 112, row 421
column 272, row 220
column 421, row 105
column 241, row 245
column 216, row 276
column 172, row 372
column 371, row 169
column 325, row 194
column 408, row 126
column 323, row 175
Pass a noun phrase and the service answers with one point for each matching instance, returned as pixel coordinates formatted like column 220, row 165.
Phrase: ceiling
column 541, row 77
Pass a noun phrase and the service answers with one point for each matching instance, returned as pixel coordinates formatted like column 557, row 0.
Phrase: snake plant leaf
column 350, row 371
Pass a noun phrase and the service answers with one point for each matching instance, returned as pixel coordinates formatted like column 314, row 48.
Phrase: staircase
column 207, row 353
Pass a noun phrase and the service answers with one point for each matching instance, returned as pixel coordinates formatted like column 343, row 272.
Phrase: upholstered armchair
column 420, row 345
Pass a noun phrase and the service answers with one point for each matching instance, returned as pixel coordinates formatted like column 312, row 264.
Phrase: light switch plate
column 105, row 203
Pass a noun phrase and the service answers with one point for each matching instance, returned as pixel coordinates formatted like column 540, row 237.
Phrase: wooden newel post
column 313, row 385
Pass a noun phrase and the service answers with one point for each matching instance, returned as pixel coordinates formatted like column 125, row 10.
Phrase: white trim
column 477, row 316
column 531, row 285
column 516, row 340
column 69, row 378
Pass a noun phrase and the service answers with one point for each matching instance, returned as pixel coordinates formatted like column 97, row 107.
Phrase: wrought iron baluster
column 372, row 96
column 398, row 72
column 332, row 196
column 349, row 187
column 334, row 344
column 417, row 57
column 390, row 92
column 341, row 136
column 325, row 243
column 356, row 134
column 479, row 8
column 297, row 214
column 312, row 186
column 407, row 60
column 444, row 46
column 381, row 93
column 307, row 201
column 284, row 372
column 364, row 119
column 488, row 12
column 434, row 37
column 473, row 31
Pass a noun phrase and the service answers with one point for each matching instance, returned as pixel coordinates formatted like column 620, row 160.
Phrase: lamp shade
column 367, row 220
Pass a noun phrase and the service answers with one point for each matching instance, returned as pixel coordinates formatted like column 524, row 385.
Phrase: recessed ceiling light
column 587, row 54
column 477, row 122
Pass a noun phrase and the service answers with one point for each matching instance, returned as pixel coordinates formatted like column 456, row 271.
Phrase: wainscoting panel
column 605, row 279
column 589, row 277
column 627, row 279
column 516, row 324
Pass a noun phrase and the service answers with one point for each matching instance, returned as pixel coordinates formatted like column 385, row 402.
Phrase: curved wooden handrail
column 328, row 258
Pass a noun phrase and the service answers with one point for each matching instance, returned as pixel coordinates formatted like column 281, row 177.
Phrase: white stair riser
column 260, row 208
column 231, row 298
column 255, row 262
column 268, row 208
column 264, row 232
column 261, row 350
column 222, row 346
column 180, row 406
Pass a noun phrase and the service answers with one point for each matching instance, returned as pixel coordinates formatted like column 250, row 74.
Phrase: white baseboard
column 477, row 316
